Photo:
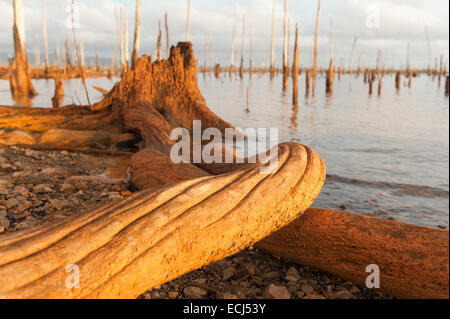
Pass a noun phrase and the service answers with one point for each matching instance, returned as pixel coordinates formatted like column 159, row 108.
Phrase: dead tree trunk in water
column 295, row 67
column 330, row 78
column 159, row 43
column 137, row 30
column 352, row 56
column 20, row 79
column 272, row 43
column 44, row 33
column 68, row 64
column 241, row 68
column 166, row 25
column 81, row 68
column 285, row 46
column 127, row 53
column 398, row 80
column 188, row 20
column 316, row 49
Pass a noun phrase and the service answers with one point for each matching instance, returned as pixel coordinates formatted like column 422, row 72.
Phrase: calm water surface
column 386, row 156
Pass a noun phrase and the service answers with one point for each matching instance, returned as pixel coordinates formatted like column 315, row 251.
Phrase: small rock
column 293, row 273
column 81, row 186
column 23, row 206
column 251, row 268
column 30, row 153
column 29, row 222
column 22, row 191
column 114, row 196
column 42, row 189
column 307, row 289
column 155, row 295
column 343, row 294
column 291, row 278
column 67, row 188
column 243, row 293
column 59, row 204
column 4, row 221
column 257, row 280
column 300, row 294
column 314, row 296
column 55, row 171
column 6, row 166
column 343, row 207
column 193, row 292
column 200, row 281
column 11, row 203
column 330, row 291
column 277, row 292
column 354, row 290
column 228, row 273
column 292, row 287
column 5, row 183
column 226, row 296
column 172, row 294
column 117, row 188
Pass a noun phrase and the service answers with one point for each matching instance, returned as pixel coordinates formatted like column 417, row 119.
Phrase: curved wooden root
column 157, row 235
column 413, row 260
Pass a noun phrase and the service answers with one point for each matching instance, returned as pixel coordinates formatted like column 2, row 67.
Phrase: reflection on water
column 386, row 155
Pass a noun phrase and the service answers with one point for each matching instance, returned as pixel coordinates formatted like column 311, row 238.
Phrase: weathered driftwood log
column 413, row 260
column 187, row 215
column 157, row 235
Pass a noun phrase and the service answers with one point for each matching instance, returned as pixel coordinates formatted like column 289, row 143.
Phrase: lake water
column 386, row 156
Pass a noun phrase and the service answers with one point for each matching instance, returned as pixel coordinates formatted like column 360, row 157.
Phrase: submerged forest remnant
column 185, row 216
column 20, row 78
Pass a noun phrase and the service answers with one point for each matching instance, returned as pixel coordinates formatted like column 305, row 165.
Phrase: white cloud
column 401, row 21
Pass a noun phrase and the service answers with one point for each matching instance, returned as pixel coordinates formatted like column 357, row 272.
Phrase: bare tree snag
column 272, row 43
column 330, row 78
column 44, row 34
column 316, row 49
column 125, row 31
column 159, row 43
column 295, row 67
column 188, row 20
column 413, row 260
column 241, row 68
column 137, row 30
column 285, row 46
column 20, row 79
column 59, row 91
column 166, row 26
column 352, row 56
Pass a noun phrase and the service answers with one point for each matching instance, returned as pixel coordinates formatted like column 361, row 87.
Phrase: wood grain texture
column 413, row 260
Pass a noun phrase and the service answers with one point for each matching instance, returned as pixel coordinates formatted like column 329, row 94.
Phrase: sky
column 386, row 25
